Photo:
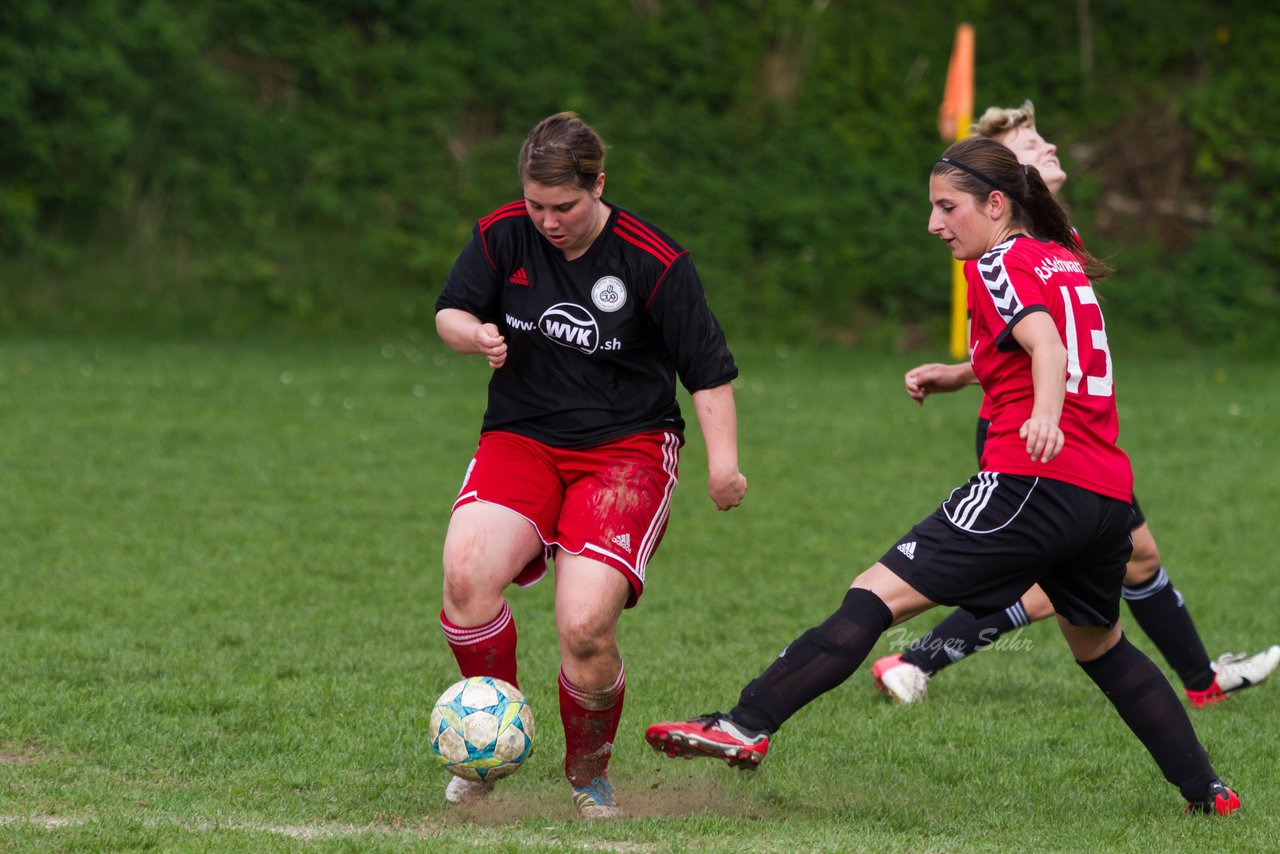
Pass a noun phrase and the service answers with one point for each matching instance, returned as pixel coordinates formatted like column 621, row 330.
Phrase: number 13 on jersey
column 1093, row 366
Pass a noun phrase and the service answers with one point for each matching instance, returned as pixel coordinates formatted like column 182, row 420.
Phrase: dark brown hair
column 980, row 166
column 562, row 149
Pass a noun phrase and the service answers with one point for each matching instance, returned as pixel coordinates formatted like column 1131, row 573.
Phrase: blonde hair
column 997, row 121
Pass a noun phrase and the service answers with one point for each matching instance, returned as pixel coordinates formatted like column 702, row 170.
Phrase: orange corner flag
column 954, row 117
column 956, row 111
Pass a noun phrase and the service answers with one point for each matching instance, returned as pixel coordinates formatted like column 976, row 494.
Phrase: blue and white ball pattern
column 482, row 728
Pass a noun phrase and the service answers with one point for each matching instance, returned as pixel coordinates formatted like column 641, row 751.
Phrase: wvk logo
column 570, row 325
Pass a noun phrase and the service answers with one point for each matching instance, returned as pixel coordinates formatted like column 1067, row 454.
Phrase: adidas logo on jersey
column 519, row 277
column 624, row 541
column 908, row 549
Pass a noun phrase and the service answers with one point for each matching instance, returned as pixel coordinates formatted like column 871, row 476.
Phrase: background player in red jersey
column 1154, row 602
column 587, row 315
column 1052, row 505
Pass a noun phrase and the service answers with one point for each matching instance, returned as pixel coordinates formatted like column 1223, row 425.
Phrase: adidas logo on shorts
column 624, row 541
column 908, row 549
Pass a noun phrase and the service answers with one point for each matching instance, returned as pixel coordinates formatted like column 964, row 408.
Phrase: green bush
column 242, row 164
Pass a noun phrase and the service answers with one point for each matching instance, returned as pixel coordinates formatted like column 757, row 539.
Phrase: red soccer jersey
column 984, row 410
column 1023, row 275
column 970, row 268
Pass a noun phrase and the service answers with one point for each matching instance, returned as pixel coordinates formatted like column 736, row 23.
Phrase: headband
column 981, row 177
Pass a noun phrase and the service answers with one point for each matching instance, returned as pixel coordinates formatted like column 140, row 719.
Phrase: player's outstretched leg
column 814, row 663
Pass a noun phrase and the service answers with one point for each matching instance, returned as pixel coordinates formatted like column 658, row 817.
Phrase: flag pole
column 954, row 117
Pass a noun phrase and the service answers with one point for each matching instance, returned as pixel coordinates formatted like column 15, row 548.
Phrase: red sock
column 590, row 721
column 488, row 650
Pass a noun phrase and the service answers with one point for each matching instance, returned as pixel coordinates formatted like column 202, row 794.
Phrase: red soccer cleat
column 1217, row 800
column 713, row 735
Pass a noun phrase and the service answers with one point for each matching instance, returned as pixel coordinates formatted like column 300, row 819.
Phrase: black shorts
column 1138, row 519
column 999, row 534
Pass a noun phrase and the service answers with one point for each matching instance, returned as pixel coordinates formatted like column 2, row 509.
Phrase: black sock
column 1157, row 607
column 1148, row 705
column 814, row 663
column 960, row 634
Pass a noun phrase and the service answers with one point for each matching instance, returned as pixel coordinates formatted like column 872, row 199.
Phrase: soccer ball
column 482, row 728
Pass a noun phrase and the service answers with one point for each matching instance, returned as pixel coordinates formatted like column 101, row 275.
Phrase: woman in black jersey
column 587, row 315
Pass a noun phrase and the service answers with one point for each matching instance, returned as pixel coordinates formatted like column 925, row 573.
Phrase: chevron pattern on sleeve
column 996, row 278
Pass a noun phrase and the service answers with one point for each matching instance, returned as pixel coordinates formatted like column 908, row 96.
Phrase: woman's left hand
column 1044, row 437
column 727, row 491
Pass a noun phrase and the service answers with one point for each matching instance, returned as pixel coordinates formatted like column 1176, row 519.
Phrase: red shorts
column 609, row 502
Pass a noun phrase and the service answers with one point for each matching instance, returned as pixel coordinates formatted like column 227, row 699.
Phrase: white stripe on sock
column 599, row 699
column 1146, row 591
column 460, row 636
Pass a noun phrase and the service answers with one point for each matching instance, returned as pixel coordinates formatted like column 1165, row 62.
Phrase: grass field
column 220, row 575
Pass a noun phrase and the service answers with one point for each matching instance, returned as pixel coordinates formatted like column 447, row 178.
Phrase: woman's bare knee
column 1144, row 563
column 484, row 550
column 1037, row 605
column 1089, row 642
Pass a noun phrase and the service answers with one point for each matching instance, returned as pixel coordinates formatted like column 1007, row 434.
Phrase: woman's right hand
column 491, row 344
column 933, row 377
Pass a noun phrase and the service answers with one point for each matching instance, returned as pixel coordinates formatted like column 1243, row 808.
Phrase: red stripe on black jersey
column 510, row 209
column 657, row 286
column 505, row 212
column 638, row 234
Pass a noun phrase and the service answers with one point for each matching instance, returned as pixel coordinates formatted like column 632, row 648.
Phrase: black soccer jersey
column 593, row 345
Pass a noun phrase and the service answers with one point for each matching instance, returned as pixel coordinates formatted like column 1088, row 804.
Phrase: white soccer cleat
column 461, row 791
column 901, row 680
column 1235, row 673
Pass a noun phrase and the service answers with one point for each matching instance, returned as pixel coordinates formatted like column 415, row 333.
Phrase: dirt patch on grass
column 665, row 798
column 20, row 753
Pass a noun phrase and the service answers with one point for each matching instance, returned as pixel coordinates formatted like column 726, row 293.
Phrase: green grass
column 220, row 575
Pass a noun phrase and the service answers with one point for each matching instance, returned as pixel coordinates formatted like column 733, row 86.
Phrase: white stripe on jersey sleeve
column 996, row 278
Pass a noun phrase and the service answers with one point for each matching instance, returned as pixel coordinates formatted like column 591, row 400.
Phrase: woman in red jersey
column 1052, row 505
column 587, row 315
column 1155, row 604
